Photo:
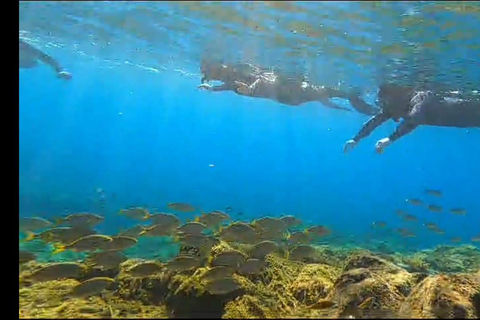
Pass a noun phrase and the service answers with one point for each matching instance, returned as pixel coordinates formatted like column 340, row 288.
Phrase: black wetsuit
column 420, row 108
column 29, row 56
column 285, row 90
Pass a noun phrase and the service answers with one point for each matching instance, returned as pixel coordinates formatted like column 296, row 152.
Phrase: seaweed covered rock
column 444, row 296
column 50, row 299
column 248, row 307
column 191, row 295
column 416, row 262
column 269, row 295
column 451, row 259
column 313, row 283
column 149, row 289
column 369, row 283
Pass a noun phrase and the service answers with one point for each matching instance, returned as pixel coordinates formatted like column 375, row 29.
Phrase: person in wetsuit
column 416, row 108
column 29, row 57
column 250, row 80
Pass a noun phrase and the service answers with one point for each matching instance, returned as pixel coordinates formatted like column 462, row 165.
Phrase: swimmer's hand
column 205, row 86
column 349, row 145
column 243, row 88
column 64, row 75
column 382, row 144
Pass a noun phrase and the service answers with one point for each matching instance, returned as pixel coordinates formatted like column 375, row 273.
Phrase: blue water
column 148, row 137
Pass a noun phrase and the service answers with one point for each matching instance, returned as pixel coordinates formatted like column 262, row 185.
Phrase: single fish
column 415, row 202
column 91, row 287
column 232, row 259
column 217, row 273
column 25, row 256
column 252, row 267
column 379, row 224
column 145, row 269
column 435, row 193
column 33, row 224
column 459, row 211
column 57, row 271
column 222, row 286
column 88, row 243
column 106, row 259
column 435, row 208
column 182, row 207
column 183, row 263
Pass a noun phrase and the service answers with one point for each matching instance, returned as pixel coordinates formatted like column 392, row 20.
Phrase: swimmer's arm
column 414, row 117
column 45, row 58
column 371, row 125
column 42, row 56
column 402, row 129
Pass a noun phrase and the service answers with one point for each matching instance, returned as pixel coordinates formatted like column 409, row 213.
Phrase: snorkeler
column 249, row 80
column 416, row 108
column 29, row 57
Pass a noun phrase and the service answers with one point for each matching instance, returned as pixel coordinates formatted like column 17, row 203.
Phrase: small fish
column 269, row 223
column 301, row 252
column 271, row 235
column 88, row 243
column 410, row 217
column 83, row 219
column 317, row 231
column 133, row 232
column 168, row 220
column 106, row 259
column 33, row 224
column 157, row 230
column 435, row 208
column 57, row 271
column 261, row 249
column 91, row 287
column 60, row 234
column 459, row 211
column 183, row 263
column 228, row 209
column 213, row 218
column 435, row 193
column 25, row 256
column 137, row 213
column 298, row 237
column 195, row 228
column 119, row 243
column 379, row 224
column 217, row 273
column 415, row 202
column 232, row 259
column 475, row 239
column 439, row 231
column 431, row 226
column 291, row 221
column 145, row 269
column 456, row 239
column 222, row 286
column 238, row 232
column 182, row 207
column 401, row 212
column 199, row 241
column 252, row 267
column 406, row 233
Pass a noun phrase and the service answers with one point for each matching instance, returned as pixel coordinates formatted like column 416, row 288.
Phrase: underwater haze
column 131, row 128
